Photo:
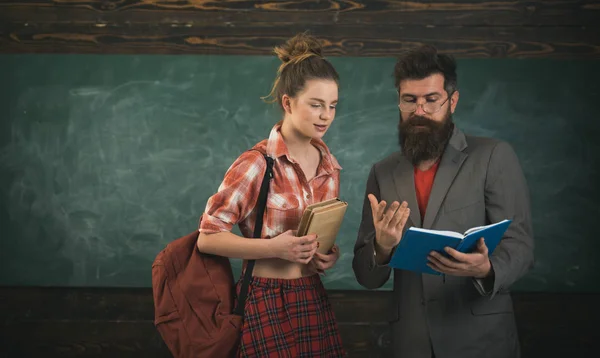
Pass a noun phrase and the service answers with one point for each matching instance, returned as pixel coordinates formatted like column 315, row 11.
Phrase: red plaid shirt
column 289, row 192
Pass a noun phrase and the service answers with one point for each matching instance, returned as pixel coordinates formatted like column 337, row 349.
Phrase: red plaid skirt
column 289, row 318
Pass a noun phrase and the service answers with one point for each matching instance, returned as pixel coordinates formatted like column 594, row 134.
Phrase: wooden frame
column 465, row 28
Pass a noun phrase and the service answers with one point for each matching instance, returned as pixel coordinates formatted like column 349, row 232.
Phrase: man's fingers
column 375, row 208
column 381, row 210
column 434, row 267
column 434, row 260
column 438, row 266
column 482, row 247
column 444, row 261
column 399, row 214
column 470, row 259
column 390, row 214
column 457, row 255
column 404, row 219
column 444, row 270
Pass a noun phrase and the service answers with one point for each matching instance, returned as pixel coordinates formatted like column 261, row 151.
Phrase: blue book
column 416, row 244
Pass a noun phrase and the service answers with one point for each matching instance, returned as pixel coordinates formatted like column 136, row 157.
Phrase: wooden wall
column 117, row 322
column 466, row 28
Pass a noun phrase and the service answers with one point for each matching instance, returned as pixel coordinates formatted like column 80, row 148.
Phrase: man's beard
column 423, row 144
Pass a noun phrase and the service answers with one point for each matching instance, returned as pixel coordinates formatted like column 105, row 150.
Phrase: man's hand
column 388, row 223
column 476, row 264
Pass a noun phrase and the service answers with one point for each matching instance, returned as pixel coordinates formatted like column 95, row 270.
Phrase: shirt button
column 307, row 196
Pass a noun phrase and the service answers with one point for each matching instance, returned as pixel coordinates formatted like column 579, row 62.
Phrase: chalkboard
column 106, row 158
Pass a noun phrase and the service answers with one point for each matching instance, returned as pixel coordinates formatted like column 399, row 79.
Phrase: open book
column 324, row 219
column 416, row 244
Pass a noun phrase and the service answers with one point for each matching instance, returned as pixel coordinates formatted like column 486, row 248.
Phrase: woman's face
column 313, row 109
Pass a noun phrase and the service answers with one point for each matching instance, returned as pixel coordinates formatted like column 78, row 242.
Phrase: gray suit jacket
column 479, row 181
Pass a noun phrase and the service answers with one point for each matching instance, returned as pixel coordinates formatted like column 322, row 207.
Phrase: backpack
column 194, row 294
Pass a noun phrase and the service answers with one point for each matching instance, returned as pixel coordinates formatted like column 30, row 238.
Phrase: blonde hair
column 301, row 60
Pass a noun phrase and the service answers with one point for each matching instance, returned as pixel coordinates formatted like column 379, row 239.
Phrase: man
column 446, row 180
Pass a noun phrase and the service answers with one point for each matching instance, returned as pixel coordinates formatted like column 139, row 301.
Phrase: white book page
column 439, row 232
column 474, row 229
column 477, row 228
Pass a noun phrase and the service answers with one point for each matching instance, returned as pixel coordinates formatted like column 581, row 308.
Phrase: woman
column 287, row 312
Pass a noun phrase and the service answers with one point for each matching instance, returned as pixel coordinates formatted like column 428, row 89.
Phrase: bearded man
column 446, row 180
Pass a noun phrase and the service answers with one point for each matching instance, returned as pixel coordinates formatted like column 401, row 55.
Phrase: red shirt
column 423, row 185
column 289, row 192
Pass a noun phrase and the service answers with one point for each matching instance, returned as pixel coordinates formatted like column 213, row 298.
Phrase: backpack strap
column 261, row 205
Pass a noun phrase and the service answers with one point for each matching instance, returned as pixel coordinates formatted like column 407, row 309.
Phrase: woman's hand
column 322, row 262
column 289, row 247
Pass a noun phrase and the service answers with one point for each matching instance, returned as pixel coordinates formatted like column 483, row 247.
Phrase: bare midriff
column 279, row 268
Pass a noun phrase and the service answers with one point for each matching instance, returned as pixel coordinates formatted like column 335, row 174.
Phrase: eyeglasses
column 428, row 107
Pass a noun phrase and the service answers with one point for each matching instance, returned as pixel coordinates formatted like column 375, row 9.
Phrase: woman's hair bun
column 298, row 48
column 301, row 60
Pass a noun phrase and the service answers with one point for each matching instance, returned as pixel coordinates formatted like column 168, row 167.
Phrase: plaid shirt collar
column 276, row 148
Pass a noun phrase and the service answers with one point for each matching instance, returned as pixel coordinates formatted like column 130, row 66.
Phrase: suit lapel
column 404, row 181
column 452, row 160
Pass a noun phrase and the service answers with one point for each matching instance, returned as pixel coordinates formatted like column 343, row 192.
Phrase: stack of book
column 323, row 219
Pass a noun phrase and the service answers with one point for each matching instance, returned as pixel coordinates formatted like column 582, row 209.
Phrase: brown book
column 323, row 219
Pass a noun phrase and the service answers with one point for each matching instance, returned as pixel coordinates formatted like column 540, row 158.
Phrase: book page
column 475, row 229
column 308, row 213
column 439, row 232
column 323, row 203
column 479, row 228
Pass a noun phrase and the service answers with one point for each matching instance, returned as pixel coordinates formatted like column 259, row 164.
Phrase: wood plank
column 466, row 28
column 557, row 324
column 308, row 12
column 117, row 322
column 384, row 40
column 81, row 304
column 141, row 339
column 82, row 339
column 352, row 306
column 133, row 304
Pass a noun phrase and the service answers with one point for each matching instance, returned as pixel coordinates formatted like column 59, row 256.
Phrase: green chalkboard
column 105, row 158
